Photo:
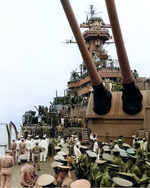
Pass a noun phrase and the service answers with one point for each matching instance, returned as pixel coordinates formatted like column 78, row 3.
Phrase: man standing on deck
column 28, row 176
column 44, row 146
column 13, row 148
column 7, row 162
column 36, row 151
column 28, row 148
column 22, row 147
column 17, row 147
column 63, row 179
column 47, row 140
column 50, row 147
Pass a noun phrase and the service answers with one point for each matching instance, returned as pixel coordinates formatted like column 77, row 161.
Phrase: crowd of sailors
column 96, row 164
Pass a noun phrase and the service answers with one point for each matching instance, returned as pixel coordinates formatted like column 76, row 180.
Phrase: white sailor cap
column 57, row 147
column 56, row 164
column 62, row 153
column 125, row 145
column 88, row 151
column 63, row 168
column 45, row 179
column 58, row 157
column 107, row 157
column 122, row 182
column 106, row 147
column 65, row 150
column 36, row 142
column 81, row 183
column 98, row 161
column 130, row 151
column 92, row 154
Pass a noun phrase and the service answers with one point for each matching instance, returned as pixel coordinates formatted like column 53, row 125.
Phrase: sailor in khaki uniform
column 7, row 162
column 55, row 165
column 28, row 176
column 64, row 180
column 13, row 148
column 69, row 140
column 36, row 151
column 50, row 147
column 22, row 147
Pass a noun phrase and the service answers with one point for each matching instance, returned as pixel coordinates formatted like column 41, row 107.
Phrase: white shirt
column 28, row 144
column 34, row 141
column 43, row 144
column 116, row 147
column 77, row 152
column 62, row 121
column 145, row 146
column 95, row 146
column 18, row 142
column 78, row 143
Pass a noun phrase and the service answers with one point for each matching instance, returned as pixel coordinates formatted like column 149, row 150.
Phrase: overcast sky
column 34, row 61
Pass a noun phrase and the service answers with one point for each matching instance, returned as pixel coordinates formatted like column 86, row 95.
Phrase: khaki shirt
column 67, row 182
column 37, row 149
column 28, row 175
column 13, row 146
column 7, row 161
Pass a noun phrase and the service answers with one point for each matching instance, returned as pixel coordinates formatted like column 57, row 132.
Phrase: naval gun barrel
column 102, row 97
column 131, row 97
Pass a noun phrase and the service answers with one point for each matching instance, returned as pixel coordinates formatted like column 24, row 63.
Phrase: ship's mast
column 97, row 33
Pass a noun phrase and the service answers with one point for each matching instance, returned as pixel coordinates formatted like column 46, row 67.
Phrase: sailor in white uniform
column 76, row 148
column 28, row 148
column 17, row 147
column 47, row 140
column 95, row 147
column 44, row 147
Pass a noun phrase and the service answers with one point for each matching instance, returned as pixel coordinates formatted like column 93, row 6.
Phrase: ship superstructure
column 96, row 35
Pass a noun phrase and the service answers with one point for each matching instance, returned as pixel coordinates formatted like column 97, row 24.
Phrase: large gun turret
column 131, row 97
column 102, row 97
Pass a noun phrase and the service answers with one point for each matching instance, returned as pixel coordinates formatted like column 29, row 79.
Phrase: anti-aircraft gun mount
column 117, row 113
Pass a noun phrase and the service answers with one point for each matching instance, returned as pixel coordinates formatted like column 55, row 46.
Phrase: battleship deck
column 45, row 169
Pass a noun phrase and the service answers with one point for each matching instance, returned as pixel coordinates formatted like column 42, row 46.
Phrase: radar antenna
column 93, row 10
